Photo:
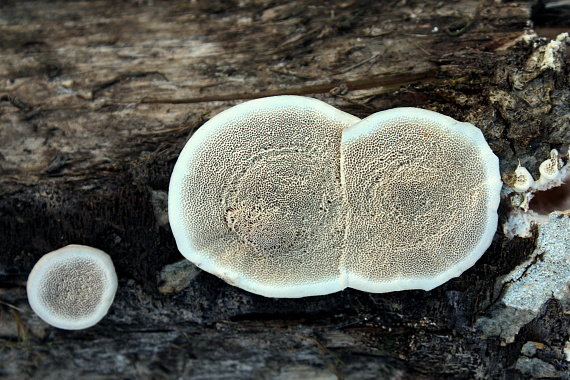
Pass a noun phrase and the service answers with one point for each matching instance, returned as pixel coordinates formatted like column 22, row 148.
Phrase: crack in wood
column 359, row 84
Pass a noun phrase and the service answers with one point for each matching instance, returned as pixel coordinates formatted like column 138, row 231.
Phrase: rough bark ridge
column 96, row 101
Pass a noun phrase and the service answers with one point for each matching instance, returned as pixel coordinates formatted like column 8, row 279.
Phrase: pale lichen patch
column 545, row 275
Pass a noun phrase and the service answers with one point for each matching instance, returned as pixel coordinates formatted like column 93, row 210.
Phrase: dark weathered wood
column 97, row 98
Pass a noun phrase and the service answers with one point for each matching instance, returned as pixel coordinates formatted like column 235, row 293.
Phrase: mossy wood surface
column 97, row 98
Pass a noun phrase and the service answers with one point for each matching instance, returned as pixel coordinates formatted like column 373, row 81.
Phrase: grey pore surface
column 422, row 192
column 73, row 287
column 255, row 196
column 290, row 197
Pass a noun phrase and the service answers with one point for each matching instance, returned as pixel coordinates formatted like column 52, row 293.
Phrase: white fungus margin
column 422, row 193
column 73, row 287
column 289, row 197
column 255, row 196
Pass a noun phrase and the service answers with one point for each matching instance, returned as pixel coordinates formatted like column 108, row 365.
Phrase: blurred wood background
column 97, row 98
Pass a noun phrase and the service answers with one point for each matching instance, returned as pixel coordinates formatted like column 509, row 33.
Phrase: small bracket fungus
column 549, row 169
column 523, row 180
column 290, row 197
column 73, row 287
column 531, row 206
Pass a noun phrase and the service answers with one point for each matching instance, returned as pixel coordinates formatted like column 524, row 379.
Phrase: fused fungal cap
column 289, row 197
column 255, row 196
column 73, row 287
column 523, row 180
column 422, row 192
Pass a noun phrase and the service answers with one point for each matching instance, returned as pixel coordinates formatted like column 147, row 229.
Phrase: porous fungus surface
column 73, row 287
column 289, row 197
column 422, row 191
column 255, row 196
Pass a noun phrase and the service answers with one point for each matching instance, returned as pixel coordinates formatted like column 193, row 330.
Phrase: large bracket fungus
column 289, row 197
column 73, row 287
column 422, row 192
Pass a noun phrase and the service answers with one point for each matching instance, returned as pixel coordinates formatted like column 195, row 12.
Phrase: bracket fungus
column 422, row 192
column 289, row 197
column 522, row 180
column 73, row 287
column 549, row 169
column 531, row 205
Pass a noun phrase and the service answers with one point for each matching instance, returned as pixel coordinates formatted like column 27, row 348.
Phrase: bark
column 99, row 97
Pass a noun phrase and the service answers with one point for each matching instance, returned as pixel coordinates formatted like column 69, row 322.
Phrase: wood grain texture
column 97, row 98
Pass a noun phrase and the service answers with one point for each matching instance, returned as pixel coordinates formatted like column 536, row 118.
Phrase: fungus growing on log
column 256, row 199
column 422, row 192
column 522, row 180
column 73, row 287
column 549, row 169
column 550, row 193
column 290, row 197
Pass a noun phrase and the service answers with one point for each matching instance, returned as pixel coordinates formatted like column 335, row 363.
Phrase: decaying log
column 97, row 98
